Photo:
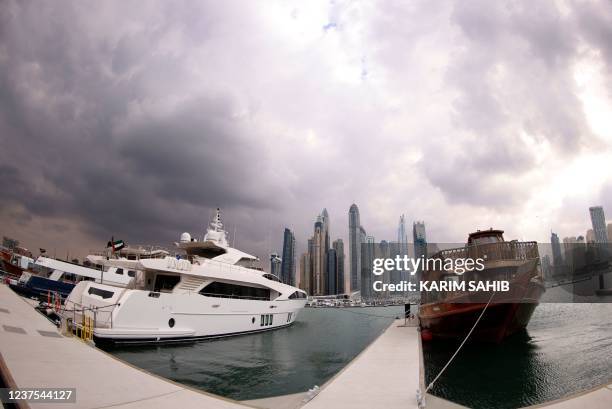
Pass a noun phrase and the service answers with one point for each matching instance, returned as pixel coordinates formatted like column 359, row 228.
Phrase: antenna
column 234, row 240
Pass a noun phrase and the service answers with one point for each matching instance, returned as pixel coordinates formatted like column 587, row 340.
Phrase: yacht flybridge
column 212, row 290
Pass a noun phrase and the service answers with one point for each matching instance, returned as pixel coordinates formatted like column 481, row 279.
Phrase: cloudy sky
column 135, row 119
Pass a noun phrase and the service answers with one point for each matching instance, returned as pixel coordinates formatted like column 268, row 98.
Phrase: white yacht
column 211, row 291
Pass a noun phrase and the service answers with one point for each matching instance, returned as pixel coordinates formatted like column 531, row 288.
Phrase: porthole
column 171, row 322
column 253, row 320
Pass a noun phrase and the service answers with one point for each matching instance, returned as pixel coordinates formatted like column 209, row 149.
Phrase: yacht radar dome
column 185, row 237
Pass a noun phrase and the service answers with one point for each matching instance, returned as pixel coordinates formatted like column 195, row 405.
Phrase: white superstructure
column 113, row 275
column 213, row 290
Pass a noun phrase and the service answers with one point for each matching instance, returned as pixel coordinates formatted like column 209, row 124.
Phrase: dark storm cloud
column 81, row 143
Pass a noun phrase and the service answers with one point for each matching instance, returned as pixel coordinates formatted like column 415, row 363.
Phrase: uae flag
column 116, row 244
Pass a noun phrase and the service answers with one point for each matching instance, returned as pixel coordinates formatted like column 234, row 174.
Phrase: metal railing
column 507, row 250
column 82, row 313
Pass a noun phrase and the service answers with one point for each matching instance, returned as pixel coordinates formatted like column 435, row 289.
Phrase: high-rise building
column 569, row 246
column 338, row 246
column 311, row 262
column 383, row 250
column 275, row 264
column 319, row 261
column 546, row 267
column 609, row 231
column 326, row 228
column 326, row 245
column 400, row 249
column 288, row 258
column 332, row 272
column 419, row 238
column 556, row 250
column 367, row 258
column 402, row 237
column 354, row 248
column 318, row 247
column 590, row 236
column 305, row 272
column 598, row 220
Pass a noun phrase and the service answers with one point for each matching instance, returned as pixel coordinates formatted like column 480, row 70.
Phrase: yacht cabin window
column 297, row 295
column 165, row 282
column 227, row 290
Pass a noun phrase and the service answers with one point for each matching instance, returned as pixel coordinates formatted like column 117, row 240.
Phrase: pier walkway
column 385, row 375
column 36, row 355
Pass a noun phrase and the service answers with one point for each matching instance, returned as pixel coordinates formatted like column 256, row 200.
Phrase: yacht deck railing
column 507, row 250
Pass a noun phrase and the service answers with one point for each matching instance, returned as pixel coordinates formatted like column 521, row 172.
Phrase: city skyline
column 137, row 121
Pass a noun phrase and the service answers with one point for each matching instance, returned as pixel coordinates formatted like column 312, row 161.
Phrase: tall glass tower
column 420, row 242
column 402, row 237
column 338, row 246
column 288, row 258
column 555, row 245
column 354, row 248
column 598, row 219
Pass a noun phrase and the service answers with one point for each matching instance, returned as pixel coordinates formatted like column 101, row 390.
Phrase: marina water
column 567, row 348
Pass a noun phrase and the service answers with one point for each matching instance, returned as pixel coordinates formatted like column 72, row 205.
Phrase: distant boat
column 212, row 290
column 13, row 262
column 451, row 314
column 60, row 277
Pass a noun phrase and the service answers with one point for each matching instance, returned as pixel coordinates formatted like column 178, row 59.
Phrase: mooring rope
column 460, row 346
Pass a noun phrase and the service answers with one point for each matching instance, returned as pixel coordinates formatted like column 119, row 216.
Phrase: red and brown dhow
column 451, row 314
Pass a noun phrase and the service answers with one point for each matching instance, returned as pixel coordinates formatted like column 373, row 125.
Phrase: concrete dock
column 372, row 377
column 385, row 375
column 37, row 355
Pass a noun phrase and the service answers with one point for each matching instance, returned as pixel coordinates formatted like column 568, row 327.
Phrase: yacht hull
column 143, row 317
column 145, row 339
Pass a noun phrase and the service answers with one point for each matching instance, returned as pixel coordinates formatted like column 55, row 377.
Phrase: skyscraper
column 402, row 237
column 326, row 228
column 311, row 262
column 590, row 236
column 546, row 267
column 556, row 251
column 368, row 254
column 332, row 272
column 338, row 246
column 419, row 238
column 275, row 264
column 305, row 272
column 325, row 246
column 354, row 248
column 288, row 259
column 319, row 261
column 598, row 220
column 400, row 249
column 570, row 245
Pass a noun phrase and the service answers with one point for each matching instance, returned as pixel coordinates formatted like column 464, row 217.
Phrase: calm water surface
column 278, row 362
column 566, row 348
